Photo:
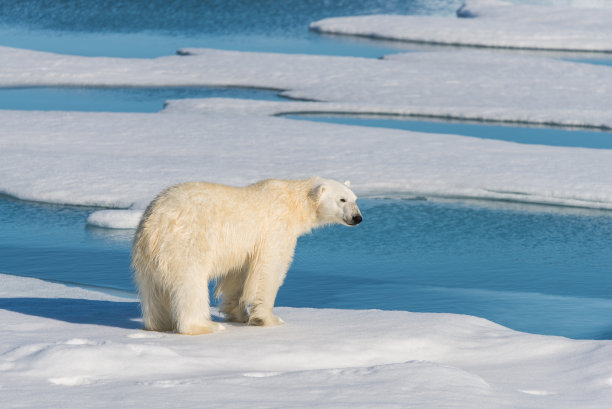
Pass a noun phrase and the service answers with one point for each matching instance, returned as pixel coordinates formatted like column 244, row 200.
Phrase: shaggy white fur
column 242, row 237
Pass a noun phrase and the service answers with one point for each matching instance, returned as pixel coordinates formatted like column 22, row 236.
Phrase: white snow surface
column 491, row 23
column 74, row 348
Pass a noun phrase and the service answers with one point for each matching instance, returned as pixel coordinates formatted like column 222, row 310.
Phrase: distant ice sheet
column 473, row 85
column 86, row 349
column 489, row 23
column 123, row 160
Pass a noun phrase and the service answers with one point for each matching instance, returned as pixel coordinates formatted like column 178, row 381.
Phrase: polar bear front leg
column 265, row 276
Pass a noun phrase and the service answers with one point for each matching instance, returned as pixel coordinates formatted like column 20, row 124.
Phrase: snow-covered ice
column 465, row 85
column 74, row 348
column 489, row 23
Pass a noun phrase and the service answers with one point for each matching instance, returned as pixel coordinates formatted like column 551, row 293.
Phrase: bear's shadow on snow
column 78, row 311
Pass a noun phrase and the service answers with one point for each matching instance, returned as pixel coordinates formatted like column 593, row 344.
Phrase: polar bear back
column 222, row 224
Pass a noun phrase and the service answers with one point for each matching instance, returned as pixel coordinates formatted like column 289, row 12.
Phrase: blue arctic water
column 108, row 99
column 532, row 268
column 576, row 137
column 152, row 100
column 151, row 28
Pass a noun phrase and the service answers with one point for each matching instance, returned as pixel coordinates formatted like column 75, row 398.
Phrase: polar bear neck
column 292, row 196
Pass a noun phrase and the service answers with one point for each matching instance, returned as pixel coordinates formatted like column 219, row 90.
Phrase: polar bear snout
column 353, row 215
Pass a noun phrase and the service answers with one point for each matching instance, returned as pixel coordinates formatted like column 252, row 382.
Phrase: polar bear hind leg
column 190, row 304
column 155, row 305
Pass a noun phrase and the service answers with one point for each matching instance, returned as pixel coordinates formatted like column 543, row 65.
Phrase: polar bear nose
column 357, row 219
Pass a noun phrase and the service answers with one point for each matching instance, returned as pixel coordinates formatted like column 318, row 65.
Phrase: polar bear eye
column 342, row 200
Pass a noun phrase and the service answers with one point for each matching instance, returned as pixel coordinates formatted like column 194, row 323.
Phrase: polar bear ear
column 316, row 192
column 347, row 183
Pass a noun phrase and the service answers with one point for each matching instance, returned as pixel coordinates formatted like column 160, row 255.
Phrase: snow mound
column 89, row 351
column 488, row 23
column 115, row 219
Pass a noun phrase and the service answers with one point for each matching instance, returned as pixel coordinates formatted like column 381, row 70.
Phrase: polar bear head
column 335, row 202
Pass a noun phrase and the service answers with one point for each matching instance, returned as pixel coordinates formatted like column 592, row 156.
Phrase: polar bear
column 241, row 237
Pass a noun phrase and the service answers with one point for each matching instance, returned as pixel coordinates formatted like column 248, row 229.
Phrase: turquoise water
column 51, row 242
column 147, row 99
column 105, row 99
column 532, row 268
column 576, row 137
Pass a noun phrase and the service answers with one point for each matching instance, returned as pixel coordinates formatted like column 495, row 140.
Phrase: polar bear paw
column 237, row 315
column 202, row 328
column 266, row 321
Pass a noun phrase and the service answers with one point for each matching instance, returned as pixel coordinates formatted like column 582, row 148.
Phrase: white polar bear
column 242, row 237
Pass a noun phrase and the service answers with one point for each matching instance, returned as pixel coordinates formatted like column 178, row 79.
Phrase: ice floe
column 489, row 23
column 70, row 347
column 462, row 85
